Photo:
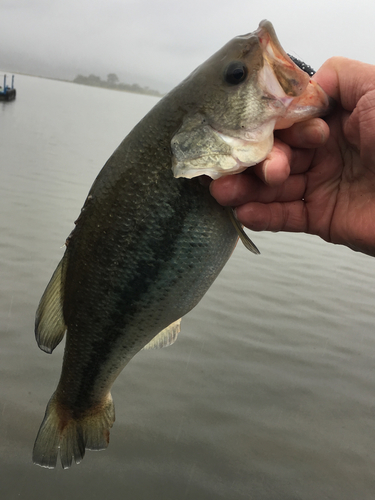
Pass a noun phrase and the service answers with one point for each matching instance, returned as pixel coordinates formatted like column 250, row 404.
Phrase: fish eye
column 235, row 73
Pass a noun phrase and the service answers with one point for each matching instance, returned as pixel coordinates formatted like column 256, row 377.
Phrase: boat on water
column 7, row 93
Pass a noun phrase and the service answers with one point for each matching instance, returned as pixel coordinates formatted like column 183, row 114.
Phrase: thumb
column 346, row 80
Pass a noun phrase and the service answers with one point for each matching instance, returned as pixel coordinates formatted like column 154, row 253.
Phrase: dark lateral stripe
column 154, row 248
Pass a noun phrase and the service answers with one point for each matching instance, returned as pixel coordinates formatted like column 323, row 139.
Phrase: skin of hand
column 319, row 177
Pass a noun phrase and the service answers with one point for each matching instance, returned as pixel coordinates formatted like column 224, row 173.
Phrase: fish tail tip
column 71, row 436
column 47, row 442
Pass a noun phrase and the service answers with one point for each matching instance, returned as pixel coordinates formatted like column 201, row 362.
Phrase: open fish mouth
column 302, row 97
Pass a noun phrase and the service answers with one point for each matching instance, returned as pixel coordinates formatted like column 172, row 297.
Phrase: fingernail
column 320, row 134
column 265, row 170
column 313, row 134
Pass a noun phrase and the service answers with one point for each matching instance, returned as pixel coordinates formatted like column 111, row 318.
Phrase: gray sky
column 158, row 43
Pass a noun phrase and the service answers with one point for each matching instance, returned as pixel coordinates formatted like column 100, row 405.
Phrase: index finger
column 240, row 189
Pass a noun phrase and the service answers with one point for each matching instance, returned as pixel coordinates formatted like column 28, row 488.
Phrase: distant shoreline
column 103, row 85
column 113, row 83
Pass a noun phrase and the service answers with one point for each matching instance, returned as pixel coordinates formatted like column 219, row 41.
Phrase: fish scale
column 150, row 239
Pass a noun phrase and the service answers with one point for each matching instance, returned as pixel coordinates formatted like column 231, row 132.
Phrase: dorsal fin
column 166, row 337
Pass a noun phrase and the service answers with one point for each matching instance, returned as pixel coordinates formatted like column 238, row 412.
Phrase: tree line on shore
column 113, row 82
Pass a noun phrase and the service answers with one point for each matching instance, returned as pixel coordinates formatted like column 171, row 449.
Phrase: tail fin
column 73, row 436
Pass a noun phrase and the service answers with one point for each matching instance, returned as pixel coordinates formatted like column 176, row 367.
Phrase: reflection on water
column 269, row 391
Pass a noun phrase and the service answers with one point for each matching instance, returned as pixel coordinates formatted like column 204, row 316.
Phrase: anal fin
column 166, row 337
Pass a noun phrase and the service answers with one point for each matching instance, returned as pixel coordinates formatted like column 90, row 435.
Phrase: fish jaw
column 312, row 103
column 234, row 128
column 300, row 96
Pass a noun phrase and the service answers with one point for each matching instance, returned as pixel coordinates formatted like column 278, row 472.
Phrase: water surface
column 269, row 391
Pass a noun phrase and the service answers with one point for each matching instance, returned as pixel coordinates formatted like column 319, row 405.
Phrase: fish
column 150, row 239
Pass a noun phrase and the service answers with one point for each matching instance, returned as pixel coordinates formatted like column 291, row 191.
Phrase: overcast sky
column 158, row 43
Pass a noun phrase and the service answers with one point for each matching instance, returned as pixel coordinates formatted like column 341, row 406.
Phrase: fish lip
column 307, row 98
column 292, row 79
column 267, row 35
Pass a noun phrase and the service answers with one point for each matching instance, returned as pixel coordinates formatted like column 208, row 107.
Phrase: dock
column 7, row 93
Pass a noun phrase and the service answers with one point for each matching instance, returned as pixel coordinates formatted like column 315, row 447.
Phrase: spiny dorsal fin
column 49, row 322
column 166, row 337
column 241, row 233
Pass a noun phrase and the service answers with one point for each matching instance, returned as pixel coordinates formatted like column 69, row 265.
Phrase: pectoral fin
column 166, row 337
column 49, row 322
column 241, row 233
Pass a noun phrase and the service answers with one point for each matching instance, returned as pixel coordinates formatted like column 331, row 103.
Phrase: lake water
column 269, row 392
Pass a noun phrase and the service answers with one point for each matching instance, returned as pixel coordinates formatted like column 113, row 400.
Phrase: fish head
column 237, row 98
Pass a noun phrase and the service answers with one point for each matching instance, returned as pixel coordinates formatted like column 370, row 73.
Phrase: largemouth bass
column 150, row 239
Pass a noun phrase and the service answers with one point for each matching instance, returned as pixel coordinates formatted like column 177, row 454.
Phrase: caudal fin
column 72, row 436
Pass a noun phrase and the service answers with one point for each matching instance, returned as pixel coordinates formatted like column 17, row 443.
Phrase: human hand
column 319, row 177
